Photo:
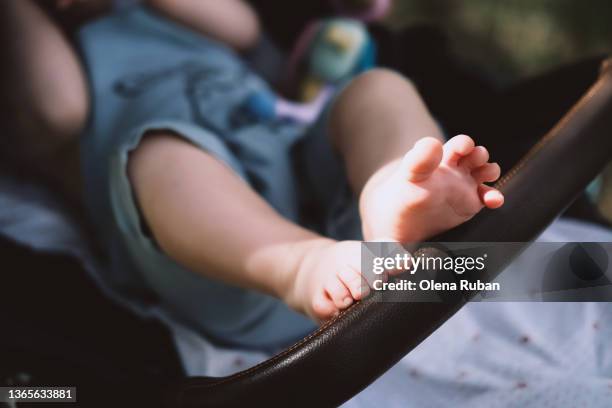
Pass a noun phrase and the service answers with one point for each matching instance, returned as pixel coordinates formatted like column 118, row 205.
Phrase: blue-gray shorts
column 150, row 74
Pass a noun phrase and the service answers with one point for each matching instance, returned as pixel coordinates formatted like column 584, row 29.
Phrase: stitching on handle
column 273, row 359
column 554, row 132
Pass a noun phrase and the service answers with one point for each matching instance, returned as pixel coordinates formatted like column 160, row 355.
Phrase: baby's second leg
column 407, row 196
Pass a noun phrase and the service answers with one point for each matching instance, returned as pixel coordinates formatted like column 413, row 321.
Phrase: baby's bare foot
column 433, row 189
column 328, row 280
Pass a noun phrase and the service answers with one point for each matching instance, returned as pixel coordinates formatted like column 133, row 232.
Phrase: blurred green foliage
column 515, row 37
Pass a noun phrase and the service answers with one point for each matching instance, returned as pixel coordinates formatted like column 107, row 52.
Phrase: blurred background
column 513, row 38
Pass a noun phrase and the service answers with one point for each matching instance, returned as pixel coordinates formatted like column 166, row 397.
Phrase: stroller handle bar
column 349, row 352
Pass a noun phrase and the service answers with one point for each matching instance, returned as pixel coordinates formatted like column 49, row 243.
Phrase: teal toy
column 332, row 52
column 341, row 49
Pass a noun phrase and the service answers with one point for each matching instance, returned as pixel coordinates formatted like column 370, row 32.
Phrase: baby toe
column 490, row 197
column 355, row 283
column 323, row 307
column 338, row 293
column 422, row 160
column 478, row 157
column 457, row 148
column 487, row 173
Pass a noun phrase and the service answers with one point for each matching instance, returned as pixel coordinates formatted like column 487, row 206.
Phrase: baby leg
column 375, row 122
column 210, row 221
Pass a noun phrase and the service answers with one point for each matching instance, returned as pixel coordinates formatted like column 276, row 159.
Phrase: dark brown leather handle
column 350, row 352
